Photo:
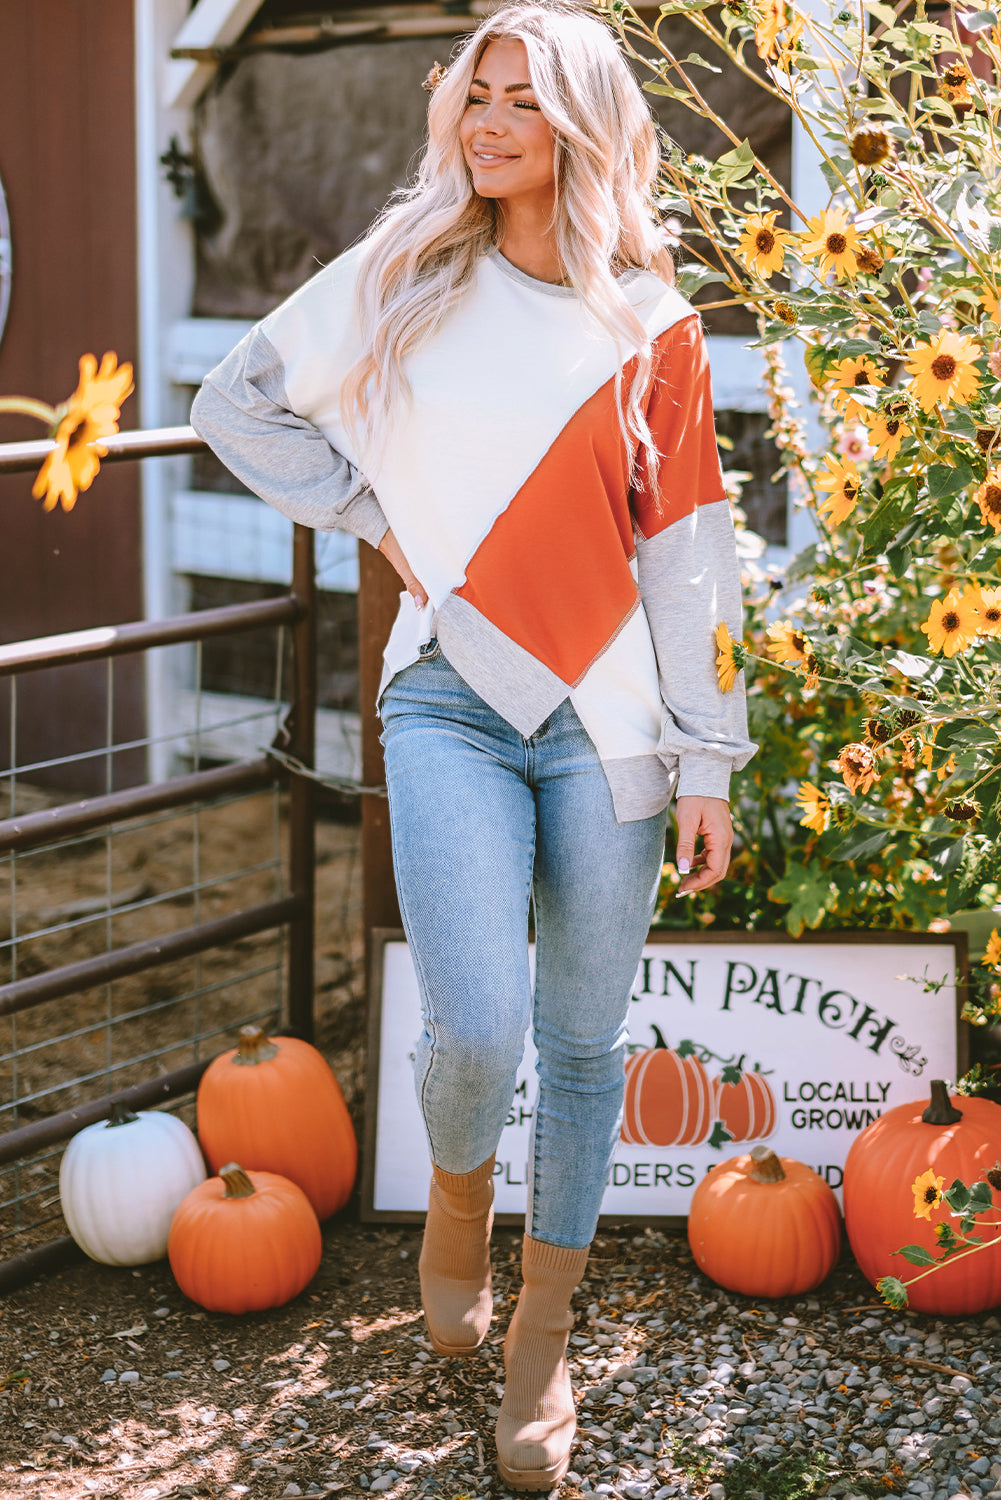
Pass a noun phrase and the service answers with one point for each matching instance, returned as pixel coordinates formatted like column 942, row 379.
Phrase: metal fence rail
column 65, row 830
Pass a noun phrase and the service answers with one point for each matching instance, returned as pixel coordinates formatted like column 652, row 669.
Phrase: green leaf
column 981, row 1197
column 653, row 86
column 691, row 278
column 685, row 1048
column 807, row 891
column 892, row 1291
column 957, row 1196
column 859, row 844
column 733, row 166
column 731, row 1074
column 834, row 166
column 978, row 20
column 700, row 62
column 884, row 523
column 854, row 348
column 945, row 480
column 916, row 1255
column 720, row 1136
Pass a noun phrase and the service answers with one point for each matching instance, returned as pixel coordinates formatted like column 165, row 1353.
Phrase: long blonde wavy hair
column 421, row 253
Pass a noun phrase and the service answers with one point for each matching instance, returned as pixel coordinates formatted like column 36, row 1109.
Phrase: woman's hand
column 710, row 818
column 393, row 552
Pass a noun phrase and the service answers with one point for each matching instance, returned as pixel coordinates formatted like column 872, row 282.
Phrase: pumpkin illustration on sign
column 668, row 1099
column 745, row 1104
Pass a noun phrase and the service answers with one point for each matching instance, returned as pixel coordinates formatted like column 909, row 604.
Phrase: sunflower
column 927, row 1190
column 727, row 664
column 842, row 479
column 954, row 86
column 762, row 245
column 785, row 643
column 945, row 369
column 771, row 17
column 815, row 806
column 851, row 375
column 832, row 239
column 886, row 435
column 870, row 144
column 868, row 260
column 988, row 497
column 90, row 414
column 989, row 610
column 786, row 312
column 953, row 623
column 992, row 953
column 990, row 302
column 858, row 768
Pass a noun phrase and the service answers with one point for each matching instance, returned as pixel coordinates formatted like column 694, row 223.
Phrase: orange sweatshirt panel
column 680, row 414
column 553, row 572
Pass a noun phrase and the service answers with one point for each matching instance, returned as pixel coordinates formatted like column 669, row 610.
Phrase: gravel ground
column 114, row 1385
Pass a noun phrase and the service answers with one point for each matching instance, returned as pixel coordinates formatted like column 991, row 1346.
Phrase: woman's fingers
column 393, row 552
column 708, row 817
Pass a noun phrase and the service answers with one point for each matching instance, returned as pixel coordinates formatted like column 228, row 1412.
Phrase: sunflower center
column 764, row 241
column 849, row 489
column 862, row 378
column 892, row 427
column 79, row 435
column 943, row 367
column 931, row 1195
column 992, row 498
column 950, row 620
column 836, row 244
column 993, row 614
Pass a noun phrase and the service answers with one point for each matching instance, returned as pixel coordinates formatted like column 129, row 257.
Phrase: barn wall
column 67, row 150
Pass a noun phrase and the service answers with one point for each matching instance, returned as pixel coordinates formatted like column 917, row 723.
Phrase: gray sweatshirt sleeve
column 689, row 573
column 242, row 411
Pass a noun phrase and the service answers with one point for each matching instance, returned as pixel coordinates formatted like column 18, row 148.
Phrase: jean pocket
column 430, row 651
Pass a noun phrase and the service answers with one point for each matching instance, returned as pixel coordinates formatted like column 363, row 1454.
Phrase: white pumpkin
column 121, row 1180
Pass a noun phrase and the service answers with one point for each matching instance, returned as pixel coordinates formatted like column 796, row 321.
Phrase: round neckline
column 550, row 288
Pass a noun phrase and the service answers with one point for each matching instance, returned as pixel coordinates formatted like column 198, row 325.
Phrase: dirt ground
column 115, row 1385
column 168, row 873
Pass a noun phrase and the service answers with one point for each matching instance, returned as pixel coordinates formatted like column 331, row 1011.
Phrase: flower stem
column 27, row 407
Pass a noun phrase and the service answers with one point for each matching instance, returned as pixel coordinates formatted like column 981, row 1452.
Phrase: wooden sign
column 734, row 1039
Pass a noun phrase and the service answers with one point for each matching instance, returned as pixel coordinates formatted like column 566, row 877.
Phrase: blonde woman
column 501, row 390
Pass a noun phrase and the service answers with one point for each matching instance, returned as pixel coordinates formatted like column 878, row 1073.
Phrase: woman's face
column 506, row 139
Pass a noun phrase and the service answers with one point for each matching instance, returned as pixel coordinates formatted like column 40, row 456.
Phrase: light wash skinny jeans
column 484, row 819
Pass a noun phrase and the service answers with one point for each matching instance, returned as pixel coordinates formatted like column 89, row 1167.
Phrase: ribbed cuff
column 563, row 1259
column 703, row 774
column 463, row 1184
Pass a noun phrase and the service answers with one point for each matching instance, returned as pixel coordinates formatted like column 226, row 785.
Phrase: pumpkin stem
column 767, row 1167
column 238, row 1184
column 941, row 1111
column 120, row 1114
column 254, row 1046
column 658, row 1037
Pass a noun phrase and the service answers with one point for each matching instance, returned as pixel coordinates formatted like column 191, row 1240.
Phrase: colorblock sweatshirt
column 506, row 481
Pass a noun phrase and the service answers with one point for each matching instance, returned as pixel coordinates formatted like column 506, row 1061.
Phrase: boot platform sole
column 453, row 1351
column 533, row 1479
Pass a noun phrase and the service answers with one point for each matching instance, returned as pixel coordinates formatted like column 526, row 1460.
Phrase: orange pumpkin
column 668, row 1099
column 764, row 1226
column 276, row 1106
column 747, row 1107
column 958, row 1137
column 244, row 1241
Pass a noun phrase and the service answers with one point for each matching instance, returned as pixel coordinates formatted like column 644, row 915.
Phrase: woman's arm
column 243, row 413
column 689, row 577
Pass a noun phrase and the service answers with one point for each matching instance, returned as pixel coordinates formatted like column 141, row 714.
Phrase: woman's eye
column 472, row 99
column 526, row 104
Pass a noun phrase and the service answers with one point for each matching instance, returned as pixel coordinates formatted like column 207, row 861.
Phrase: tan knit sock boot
column 455, row 1259
column 537, row 1420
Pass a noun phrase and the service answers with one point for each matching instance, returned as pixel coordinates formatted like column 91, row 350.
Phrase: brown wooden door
column 67, row 160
